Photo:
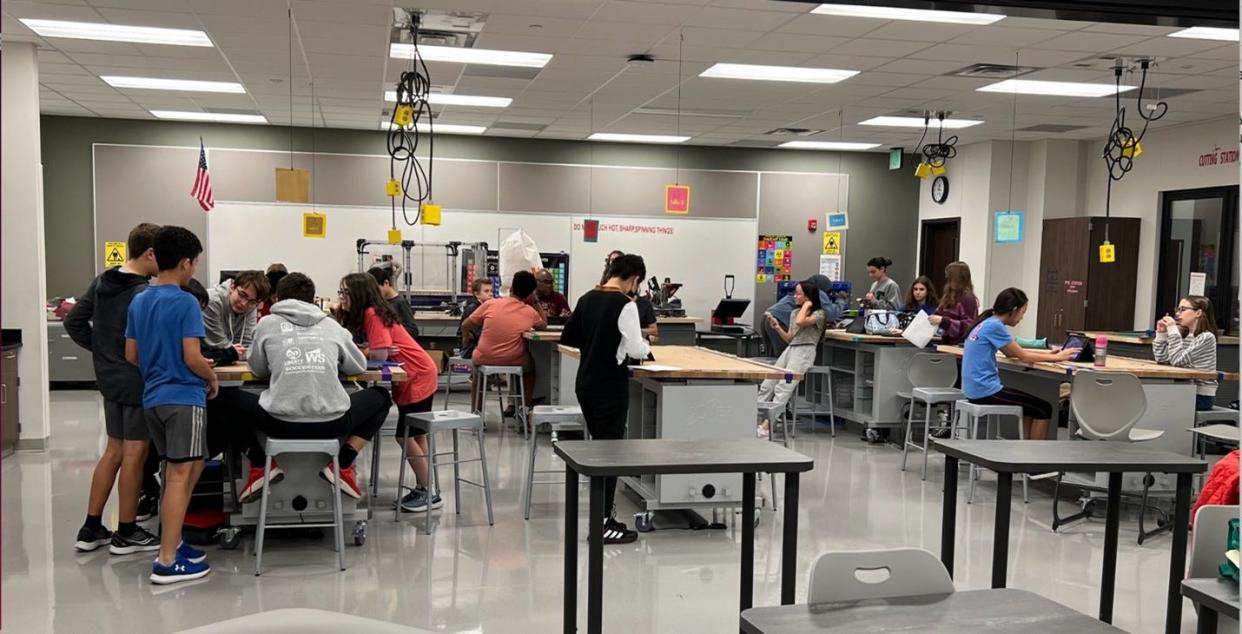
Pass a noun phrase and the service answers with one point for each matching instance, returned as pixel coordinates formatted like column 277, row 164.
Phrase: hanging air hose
column 1123, row 145
column 409, row 125
column 934, row 155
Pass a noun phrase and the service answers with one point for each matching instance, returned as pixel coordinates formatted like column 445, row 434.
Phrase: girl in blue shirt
column 980, row 375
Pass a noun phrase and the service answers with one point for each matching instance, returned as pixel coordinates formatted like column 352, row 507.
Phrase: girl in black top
column 605, row 329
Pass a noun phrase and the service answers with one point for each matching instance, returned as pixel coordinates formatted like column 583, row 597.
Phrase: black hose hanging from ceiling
column 413, row 90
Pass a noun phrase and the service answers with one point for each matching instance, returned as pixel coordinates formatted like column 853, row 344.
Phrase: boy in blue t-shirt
column 162, row 338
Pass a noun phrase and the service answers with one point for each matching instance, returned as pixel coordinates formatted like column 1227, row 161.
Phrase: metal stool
column 385, row 431
column 438, row 421
column 276, row 446
column 514, row 375
column 932, row 376
column 768, row 408
column 456, row 366
column 813, row 376
column 559, row 418
column 973, row 413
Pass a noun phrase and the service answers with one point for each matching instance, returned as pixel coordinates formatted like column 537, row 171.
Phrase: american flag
column 202, row 181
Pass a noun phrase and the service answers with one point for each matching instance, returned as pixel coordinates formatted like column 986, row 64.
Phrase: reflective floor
column 469, row 577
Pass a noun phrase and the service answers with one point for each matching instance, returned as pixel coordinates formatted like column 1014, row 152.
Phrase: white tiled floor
column 469, row 577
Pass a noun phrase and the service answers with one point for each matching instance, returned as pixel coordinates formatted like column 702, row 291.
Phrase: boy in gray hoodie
column 304, row 352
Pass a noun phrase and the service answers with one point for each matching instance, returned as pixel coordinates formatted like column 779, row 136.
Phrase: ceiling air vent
column 793, row 132
column 993, row 71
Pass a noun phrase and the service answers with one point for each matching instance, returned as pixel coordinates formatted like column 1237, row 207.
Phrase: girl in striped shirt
column 1188, row 340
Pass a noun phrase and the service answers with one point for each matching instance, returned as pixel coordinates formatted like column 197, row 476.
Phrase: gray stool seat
column 276, row 446
column 973, row 412
column 815, row 379
column 514, row 375
column 440, row 421
column 1219, row 432
column 931, row 377
column 936, row 394
column 1219, row 424
column 559, row 418
column 457, row 366
column 1217, row 415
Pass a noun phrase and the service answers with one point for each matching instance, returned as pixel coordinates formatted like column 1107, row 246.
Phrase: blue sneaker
column 191, row 554
column 180, row 570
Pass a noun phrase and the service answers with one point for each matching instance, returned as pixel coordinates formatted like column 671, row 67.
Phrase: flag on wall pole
column 202, row 181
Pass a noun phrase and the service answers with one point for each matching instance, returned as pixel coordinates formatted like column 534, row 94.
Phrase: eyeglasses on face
column 342, row 292
column 247, row 297
column 1180, row 309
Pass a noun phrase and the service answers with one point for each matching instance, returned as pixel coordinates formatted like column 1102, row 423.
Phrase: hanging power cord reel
column 935, row 155
column 1123, row 145
column 410, row 125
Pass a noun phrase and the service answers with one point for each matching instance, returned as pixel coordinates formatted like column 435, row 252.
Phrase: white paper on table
column 1198, row 282
column 920, row 331
column 655, row 367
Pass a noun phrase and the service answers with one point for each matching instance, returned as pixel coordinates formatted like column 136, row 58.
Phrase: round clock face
column 940, row 189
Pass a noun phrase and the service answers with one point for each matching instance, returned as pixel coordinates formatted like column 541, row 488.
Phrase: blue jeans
column 1204, row 402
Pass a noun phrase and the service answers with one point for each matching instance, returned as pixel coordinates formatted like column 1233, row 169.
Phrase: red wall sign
column 676, row 199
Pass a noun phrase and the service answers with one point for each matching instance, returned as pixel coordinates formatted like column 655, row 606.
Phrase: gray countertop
column 1034, row 456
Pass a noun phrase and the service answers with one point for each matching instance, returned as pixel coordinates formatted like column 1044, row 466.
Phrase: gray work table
column 1004, row 610
column 598, row 459
column 1215, row 597
column 1007, row 457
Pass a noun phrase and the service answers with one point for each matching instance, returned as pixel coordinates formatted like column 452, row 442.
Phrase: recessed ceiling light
column 441, row 128
column 189, row 85
column 1054, row 88
column 778, row 73
column 916, row 15
column 224, row 117
column 917, row 122
column 471, row 55
column 829, row 145
column 637, row 138
column 117, row 33
column 1207, row 33
column 449, row 99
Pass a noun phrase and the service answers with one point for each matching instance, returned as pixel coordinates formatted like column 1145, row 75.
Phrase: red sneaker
column 255, row 482
column 348, row 483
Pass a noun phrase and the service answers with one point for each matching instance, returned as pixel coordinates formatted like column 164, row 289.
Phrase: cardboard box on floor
column 440, row 359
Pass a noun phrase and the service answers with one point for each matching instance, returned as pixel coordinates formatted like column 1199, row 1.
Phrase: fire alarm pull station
column 812, row 224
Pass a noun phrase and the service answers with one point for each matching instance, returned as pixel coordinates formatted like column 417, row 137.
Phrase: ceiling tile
column 997, row 35
column 1091, row 41
column 879, row 48
column 919, row 31
column 798, row 43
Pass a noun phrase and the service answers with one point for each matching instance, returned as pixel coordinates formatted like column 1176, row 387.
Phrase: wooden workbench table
column 689, row 362
column 1141, row 368
column 849, row 337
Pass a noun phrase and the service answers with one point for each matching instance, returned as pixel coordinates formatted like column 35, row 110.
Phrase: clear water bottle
column 1101, row 351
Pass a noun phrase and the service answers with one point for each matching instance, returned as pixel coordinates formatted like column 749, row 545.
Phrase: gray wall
column 883, row 204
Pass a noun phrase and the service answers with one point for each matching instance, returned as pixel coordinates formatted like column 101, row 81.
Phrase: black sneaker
column 139, row 541
column 617, row 533
column 148, row 506
column 91, row 538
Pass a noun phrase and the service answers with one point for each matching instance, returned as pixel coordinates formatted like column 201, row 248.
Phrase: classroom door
column 1198, row 235
column 938, row 248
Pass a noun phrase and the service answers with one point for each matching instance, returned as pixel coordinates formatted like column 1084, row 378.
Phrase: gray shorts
column 124, row 422
column 178, row 431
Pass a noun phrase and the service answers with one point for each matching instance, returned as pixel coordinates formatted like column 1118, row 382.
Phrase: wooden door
column 1111, row 287
column 1062, row 277
column 938, row 248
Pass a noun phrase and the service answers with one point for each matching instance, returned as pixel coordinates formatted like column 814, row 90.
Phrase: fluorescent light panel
column 637, row 138
column 117, row 33
column 188, row 85
column 1207, row 33
column 471, row 55
column 223, row 117
column 917, row 122
column 778, row 73
column 441, row 128
column 449, row 99
column 848, row 146
column 914, row 15
column 1054, row 88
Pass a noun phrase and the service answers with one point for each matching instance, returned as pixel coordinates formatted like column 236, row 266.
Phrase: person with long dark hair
column 921, row 296
column 806, row 329
column 884, row 293
column 959, row 308
column 980, row 375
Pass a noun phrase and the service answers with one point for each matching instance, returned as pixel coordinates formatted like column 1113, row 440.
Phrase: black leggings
column 416, row 427
column 606, row 415
column 1032, row 406
column 367, row 410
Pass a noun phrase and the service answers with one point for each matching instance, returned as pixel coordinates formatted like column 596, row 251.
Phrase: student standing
column 980, row 375
column 884, row 293
column 806, row 330
column 233, row 310
column 97, row 323
column 959, row 308
column 383, row 276
column 162, row 336
column 921, row 296
column 604, row 328
column 366, row 314
column 1188, row 340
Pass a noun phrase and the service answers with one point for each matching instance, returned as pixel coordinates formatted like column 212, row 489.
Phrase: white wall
column 21, row 233
column 1170, row 162
column 969, row 181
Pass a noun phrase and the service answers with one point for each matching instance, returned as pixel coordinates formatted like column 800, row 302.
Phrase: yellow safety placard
column 114, row 254
column 314, row 225
column 1108, row 253
column 832, row 243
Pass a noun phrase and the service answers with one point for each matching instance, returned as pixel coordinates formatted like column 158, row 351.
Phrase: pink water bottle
column 1101, row 351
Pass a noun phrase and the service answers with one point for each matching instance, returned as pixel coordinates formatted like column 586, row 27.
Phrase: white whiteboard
column 695, row 252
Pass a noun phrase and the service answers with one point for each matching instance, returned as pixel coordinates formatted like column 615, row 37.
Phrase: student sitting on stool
column 305, row 352
column 1188, row 340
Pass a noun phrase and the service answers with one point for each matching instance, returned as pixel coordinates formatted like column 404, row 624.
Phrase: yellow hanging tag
column 394, row 236
column 937, row 170
column 1108, row 253
column 431, row 214
column 1132, row 149
column 923, row 170
column 393, row 188
column 403, row 116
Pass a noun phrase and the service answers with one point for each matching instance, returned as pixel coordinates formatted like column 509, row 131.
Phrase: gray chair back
column 1106, row 405
column 1207, row 548
column 929, row 369
column 877, row 574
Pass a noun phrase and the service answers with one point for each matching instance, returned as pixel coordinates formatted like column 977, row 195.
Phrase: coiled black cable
column 413, row 90
column 938, row 153
column 1122, row 143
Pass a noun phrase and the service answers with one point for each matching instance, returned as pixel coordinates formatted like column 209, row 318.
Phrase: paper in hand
column 920, row 331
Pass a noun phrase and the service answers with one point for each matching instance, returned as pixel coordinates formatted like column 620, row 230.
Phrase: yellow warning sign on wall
column 832, row 243
column 314, row 225
column 114, row 254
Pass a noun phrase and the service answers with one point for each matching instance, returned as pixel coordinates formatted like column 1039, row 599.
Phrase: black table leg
column 1108, row 578
column 789, row 541
column 1177, row 558
column 1000, row 537
column 747, row 598
column 1207, row 620
column 570, row 617
column 595, row 558
column 948, row 518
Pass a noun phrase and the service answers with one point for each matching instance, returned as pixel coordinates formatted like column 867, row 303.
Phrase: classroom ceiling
column 906, row 67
